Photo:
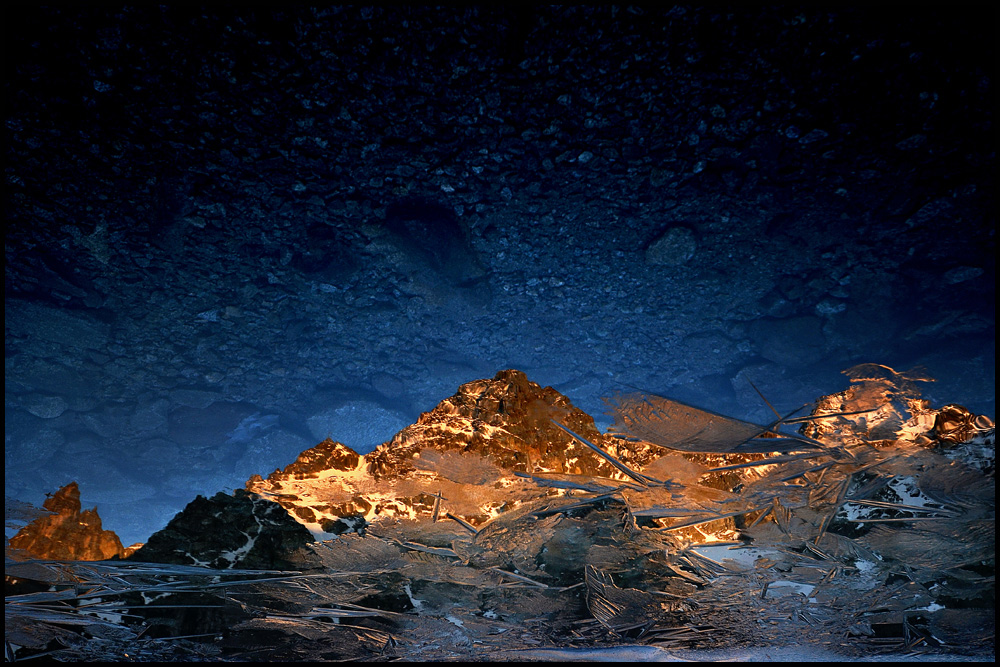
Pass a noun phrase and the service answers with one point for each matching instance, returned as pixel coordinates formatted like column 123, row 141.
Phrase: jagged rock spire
column 70, row 533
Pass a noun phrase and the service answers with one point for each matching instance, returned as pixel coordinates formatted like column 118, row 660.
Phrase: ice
column 858, row 548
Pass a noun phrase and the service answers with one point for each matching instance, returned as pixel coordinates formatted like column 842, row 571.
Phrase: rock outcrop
column 69, row 533
column 509, row 420
column 327, row 455
column 227, row 531
column 468, row 456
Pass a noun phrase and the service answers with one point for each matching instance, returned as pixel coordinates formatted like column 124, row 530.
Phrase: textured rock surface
column 327, row 455
column 227, row 531
column 465, row 451
column 509, row 420
column 70, row 533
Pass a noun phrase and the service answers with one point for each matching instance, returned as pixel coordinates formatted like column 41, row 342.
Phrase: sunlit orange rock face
column 69, row 534
column 509, row 420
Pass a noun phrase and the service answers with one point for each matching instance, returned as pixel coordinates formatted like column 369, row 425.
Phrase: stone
column 471, row 449
column 69, row 533
column 46, row 407
column 674, row 247
column 507, row 419
column 327, row 455
column 227, row 531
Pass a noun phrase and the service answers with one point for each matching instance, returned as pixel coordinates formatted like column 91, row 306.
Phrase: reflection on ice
column 863, row 528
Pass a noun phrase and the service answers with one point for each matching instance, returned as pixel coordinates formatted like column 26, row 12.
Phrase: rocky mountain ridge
column 67, row 532
column 492, row 446
column 469, row 535
column 487, row 441
column 226, row 531
column 502, row 443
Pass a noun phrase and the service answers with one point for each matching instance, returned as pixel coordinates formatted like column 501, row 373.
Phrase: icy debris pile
column 883, row 405
column 876, row 498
